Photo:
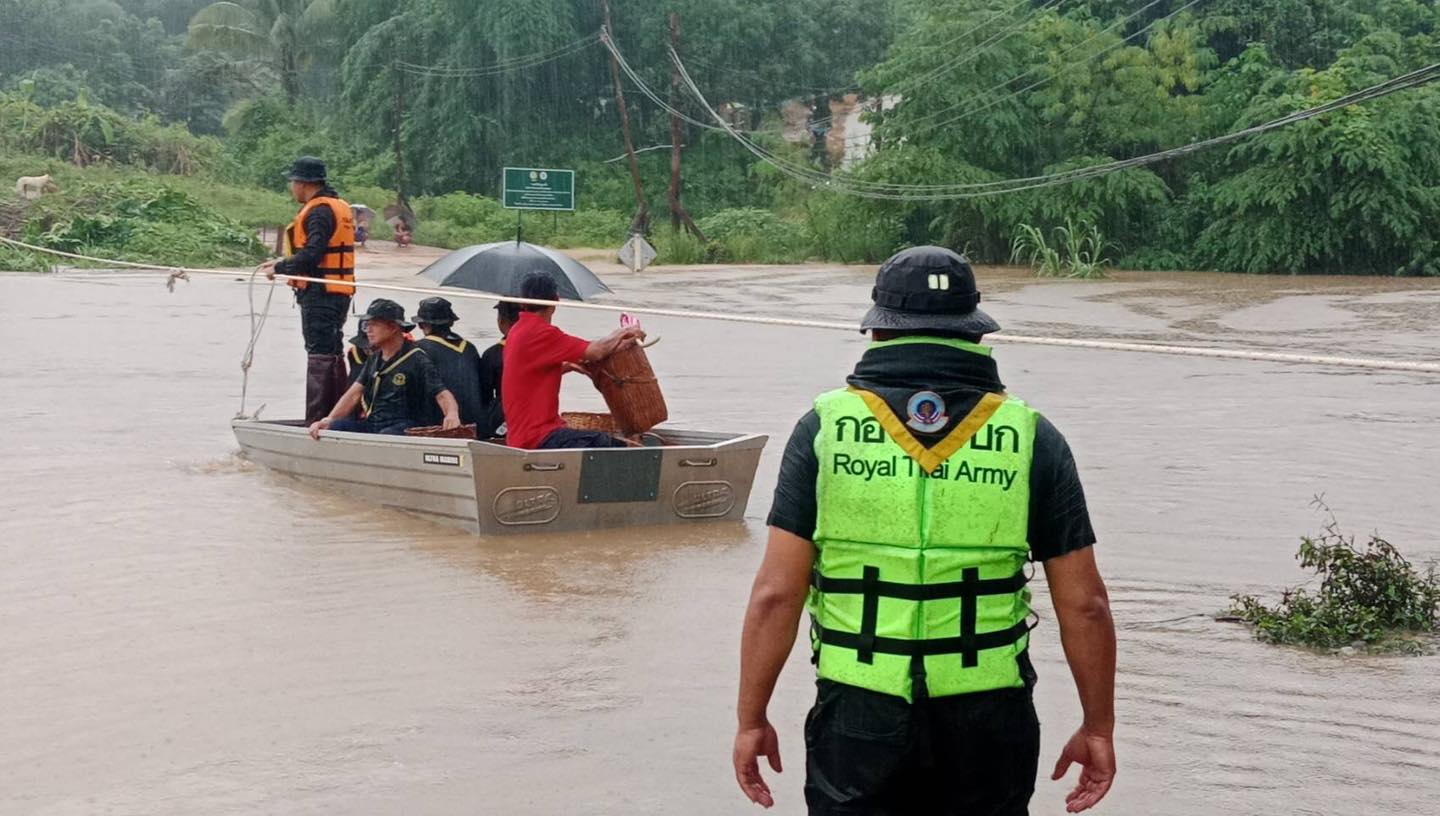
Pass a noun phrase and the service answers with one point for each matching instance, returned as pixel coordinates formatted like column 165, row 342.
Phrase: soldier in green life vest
column 909, row 506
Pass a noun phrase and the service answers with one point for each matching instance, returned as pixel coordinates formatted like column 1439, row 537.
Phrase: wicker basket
column 628, row 384
column 585, row 421
column 439, row 432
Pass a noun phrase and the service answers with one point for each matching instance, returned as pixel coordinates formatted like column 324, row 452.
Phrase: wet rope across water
column 1374, row 364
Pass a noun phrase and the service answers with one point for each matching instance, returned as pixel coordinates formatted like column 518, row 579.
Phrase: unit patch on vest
column 399, row 379
column 927, row 412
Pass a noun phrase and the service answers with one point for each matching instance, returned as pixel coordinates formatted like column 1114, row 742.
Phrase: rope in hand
column 1369, row 363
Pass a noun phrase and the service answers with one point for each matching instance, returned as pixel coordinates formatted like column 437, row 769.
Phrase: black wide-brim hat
column 385, row 309
column 927, row 288
column 436, row 311
column 307, row 168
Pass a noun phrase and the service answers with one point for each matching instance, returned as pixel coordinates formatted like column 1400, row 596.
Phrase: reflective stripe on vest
column 338, row 262
column 919, row 586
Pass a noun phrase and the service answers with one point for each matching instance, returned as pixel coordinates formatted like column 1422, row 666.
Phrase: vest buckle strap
column 968, row 586
column 929, row 647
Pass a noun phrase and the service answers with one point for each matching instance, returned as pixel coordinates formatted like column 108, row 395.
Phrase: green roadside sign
column 538, row 188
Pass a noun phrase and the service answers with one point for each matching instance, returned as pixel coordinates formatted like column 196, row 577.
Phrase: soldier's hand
column 1096, row 755
column 269, row 268
column 318, row 426
column 750, row 745
column 451, row 422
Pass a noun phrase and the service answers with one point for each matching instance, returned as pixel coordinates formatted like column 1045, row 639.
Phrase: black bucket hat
column 360, row 340
column 384, row 309
column 927, row 288
column 307, row 168
column 435, row 311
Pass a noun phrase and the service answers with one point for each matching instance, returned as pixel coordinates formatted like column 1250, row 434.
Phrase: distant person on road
column 909, row 505
column 320, row 243
column 537, row 355
column 492, row 373
column 456, row 358
column 397, row 385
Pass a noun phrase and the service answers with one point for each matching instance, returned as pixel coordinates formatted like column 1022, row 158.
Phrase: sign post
column 536, row 188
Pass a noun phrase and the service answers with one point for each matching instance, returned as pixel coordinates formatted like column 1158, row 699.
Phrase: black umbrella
column 500, row 267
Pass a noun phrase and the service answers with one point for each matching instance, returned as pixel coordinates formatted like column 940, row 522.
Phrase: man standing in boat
column 320, row 243
column 397, row 385
column 907, row 506
column 537, row 355
column 456, row 358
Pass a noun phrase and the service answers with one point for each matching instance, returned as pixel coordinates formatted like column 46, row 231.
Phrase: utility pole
column 679, row 216
column 399, row 135
column 641, row 222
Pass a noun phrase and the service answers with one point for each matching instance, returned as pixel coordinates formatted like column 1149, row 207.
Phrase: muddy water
column 181, row 632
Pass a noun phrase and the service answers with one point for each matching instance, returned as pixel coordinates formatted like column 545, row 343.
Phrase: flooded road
column 182, row 633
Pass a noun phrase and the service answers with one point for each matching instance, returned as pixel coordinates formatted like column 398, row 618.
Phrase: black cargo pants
column 877, row 755
column 322, row 320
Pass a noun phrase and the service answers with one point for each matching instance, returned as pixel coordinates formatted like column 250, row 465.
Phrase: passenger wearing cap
column 397, row 385
column 456, row 358
column 907, row 507
column 492, row 373
column 358, row 353
column 537, row 355
column 319, row 243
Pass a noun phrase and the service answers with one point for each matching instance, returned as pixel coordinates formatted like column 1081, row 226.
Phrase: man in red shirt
column 536, row 356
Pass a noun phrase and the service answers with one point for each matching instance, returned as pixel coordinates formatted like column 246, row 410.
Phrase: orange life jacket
column 338, row 262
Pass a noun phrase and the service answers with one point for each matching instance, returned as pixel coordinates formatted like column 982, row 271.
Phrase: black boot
column 320, row 393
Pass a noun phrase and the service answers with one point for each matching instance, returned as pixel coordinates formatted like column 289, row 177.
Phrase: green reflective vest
column 919, row 587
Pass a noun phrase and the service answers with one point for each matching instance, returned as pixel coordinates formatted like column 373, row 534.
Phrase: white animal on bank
column 32, row 187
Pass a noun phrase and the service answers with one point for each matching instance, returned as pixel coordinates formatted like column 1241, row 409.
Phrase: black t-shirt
column 492, row 369
column 355, row 358
column 1059, row 517
column 402, row 387
column 459, row 365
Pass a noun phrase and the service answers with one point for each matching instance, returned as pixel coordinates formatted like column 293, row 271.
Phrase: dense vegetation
column 961, row 91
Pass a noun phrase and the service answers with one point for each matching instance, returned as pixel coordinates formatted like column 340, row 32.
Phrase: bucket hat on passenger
column 307, row 168
column 360, row 341
column 385, row 309
column 927, row 288
column 435, row 311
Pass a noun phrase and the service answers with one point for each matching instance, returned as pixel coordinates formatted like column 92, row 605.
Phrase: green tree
column 278, row 32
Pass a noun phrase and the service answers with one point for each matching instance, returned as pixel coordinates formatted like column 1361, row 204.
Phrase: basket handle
column 698, row 463
column 544, row 467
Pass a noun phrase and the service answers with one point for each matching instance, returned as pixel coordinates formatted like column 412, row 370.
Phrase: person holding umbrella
column 537, row 354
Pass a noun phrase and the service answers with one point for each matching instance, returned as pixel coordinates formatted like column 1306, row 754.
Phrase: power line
column 501, row 67
column 1047, row 79
column 897, row 192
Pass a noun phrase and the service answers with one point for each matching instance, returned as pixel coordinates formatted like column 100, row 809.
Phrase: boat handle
column 544, row 467
column 698, row 463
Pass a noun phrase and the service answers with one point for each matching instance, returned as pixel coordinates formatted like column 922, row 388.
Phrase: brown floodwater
column 182, row 632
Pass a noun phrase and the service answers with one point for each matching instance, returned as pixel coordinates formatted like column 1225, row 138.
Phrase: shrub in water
column 1367, row 593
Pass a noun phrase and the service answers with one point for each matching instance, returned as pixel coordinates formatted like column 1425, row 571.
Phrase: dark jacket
column 459, row 365
column 492, row 370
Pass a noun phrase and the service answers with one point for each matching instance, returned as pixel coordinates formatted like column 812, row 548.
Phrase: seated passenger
column 492, row 368
column 356, row 355
column 397, row 384
column 537, row 353
column 456, row 358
